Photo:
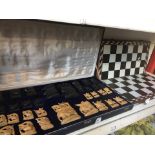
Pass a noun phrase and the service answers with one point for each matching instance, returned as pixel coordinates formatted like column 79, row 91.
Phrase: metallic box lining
column 33, row 53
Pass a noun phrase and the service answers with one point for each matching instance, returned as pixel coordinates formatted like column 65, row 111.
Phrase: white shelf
column 122, row 120
column 115, row 14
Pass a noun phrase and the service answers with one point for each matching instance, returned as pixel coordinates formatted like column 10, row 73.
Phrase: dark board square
column 113, row 81
column 145, row 49
column 106, row 58
column 128, row 96
column 142, row 64
column 117, row 73
column 144, row 78
column 142, row 93
column 152, row 89
column 129, row 57
column 125, row 49
column 147, row 83
column 136, row 81
column 123, row 65
column 118, row 57
column 113, row 86
column 111, row 66
column 138, row 86
column 104, row 75
column 125, row 83
column 127, row 89
column 135, row 49
column 127, row 72
column 113, row 49
column 125, row 78
column 137, row 71
column 139, row 55
column 133, row 76
column 133, row 64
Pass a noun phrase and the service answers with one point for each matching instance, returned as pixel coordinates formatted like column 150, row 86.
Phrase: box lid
column 36, row 52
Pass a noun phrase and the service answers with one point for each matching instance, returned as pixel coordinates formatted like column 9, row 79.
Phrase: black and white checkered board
column 135, row 88
column 122, row 58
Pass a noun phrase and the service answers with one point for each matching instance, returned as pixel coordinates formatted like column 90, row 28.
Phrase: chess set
column 58, row 108
column 48, row 85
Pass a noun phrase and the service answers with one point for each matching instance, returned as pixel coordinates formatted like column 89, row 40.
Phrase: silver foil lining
column 33, row 53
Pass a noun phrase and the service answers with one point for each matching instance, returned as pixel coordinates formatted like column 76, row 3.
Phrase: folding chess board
column 121, row 65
